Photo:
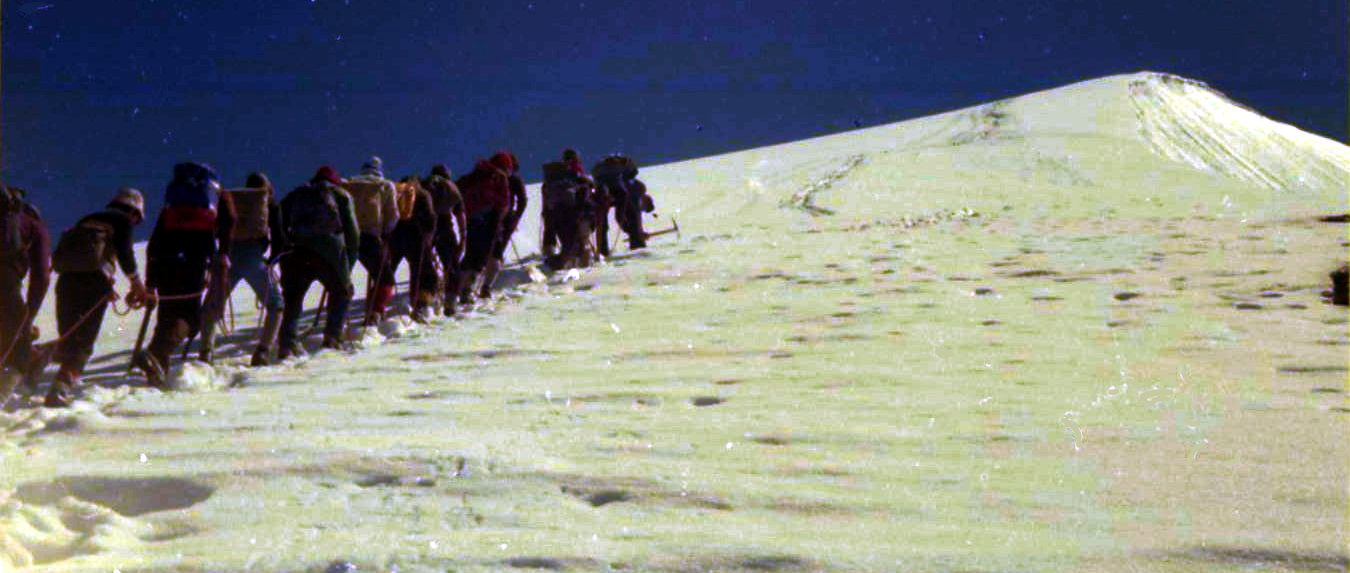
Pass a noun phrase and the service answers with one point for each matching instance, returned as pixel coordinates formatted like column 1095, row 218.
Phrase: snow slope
column 1075, row 330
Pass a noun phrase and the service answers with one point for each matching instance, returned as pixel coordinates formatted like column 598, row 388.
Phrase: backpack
column 251, row 213
column 406, row 196
column 84, row 248
column 444, row 195
column 366, row 201
column 559, row 195
column 12, row 244
column 615, row 168
column 483, row 188
column 314, row 212
column 558, row 171
column 188, row 206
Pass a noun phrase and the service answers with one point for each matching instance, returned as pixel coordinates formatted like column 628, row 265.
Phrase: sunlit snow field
column 1076, row 331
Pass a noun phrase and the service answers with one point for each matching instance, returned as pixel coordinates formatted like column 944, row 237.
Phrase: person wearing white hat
column 86, row 260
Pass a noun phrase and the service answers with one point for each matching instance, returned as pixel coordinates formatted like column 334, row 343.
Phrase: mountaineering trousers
column 374, row 256
column 484, row 232
column 299, row 269
column 407, row 243
column 78, row 295
column 248, row 263
column 177, row 318
column 449, row 251
column 14, row 337
column 628, row 213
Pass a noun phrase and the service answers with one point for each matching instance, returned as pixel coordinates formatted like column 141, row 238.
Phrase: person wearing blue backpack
column 191, row 241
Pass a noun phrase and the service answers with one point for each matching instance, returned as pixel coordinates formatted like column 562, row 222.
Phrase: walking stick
column 519, row 261
column 674, row 229
column 140, row 337
column 323, row 302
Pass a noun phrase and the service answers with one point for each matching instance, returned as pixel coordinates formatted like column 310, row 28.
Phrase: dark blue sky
column 102, row 94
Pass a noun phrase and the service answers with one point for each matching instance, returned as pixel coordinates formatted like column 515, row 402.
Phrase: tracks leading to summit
column 805, row 199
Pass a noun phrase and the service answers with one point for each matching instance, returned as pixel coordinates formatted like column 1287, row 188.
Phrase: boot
column 384, row 296
column 62, row 392
column 466, row 281
column 151, row 366
column 332, row 343
column 267, row 338
column 494, row 266
column 208, row 341
column 288, row 350
column 39, row 359
column 9, row 380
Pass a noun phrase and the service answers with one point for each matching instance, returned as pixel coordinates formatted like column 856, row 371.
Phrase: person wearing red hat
column 515, row 210
column 325, row 242
column 487, row 199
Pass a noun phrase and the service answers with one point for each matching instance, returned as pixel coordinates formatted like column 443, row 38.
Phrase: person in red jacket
column 487, row 199
column 510, row 221
column 25, row 251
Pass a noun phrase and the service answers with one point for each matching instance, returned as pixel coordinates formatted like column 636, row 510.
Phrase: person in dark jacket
column 84, row 287
column 28, row 257
column 325, row 243
column 616, row 175
column 191, row 240
column 487, row 193
column 412, row 241
column 258, row 228
column 451, row 231
column 516, row 204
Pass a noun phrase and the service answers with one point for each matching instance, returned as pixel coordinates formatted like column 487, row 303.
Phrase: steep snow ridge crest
column 1187, row 121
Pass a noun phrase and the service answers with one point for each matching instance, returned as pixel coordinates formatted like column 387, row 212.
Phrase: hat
column 257, row 180
column 570, row 153
column 131, row 199
column 373, row 166
column 501, row 160
column 326, row 173
column 194, row 172
column 440, row 169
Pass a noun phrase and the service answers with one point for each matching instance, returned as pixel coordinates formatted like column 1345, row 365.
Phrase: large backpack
column 189, row 205
column 251, row 213
column 482, row 188
column 366, row 201
column 406, row 195
column 615, row 168
column 444, row 195
column 85, row 248
column 11, row 236
column 314, row 212
column 558, row 171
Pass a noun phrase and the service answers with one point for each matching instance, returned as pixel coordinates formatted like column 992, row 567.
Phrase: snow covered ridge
column 1187, row 121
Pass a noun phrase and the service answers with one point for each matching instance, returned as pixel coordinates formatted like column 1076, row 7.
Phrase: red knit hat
column 501, row 160
column 327, row 173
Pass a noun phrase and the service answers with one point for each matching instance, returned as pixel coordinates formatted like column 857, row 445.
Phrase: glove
column 139, row 296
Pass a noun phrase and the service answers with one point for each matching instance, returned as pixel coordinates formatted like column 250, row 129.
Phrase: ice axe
column 140, row 337
column 675, row 228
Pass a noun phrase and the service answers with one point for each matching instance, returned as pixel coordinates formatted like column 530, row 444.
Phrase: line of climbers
column 453, row 233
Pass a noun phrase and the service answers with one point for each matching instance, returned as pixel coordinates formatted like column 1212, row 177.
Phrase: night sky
column 101, row 94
